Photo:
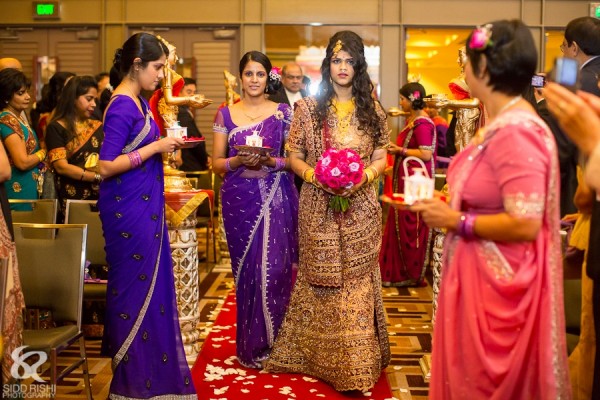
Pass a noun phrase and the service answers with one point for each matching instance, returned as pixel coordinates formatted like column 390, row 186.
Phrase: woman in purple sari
column 260, row 208
column 142, row 332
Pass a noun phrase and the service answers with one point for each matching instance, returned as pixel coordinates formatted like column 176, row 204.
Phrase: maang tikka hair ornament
column 481, row 38
column 337, row 48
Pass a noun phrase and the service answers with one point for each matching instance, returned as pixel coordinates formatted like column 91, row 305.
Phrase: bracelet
column 370, row 175
column 228, row 165
column 97, row 178
column 309, row 175
column 466, row 226
column 135, row 158
column 403, row 152
column 82, row 175
column 279, row 164
column 40, row 154
column 375, row 172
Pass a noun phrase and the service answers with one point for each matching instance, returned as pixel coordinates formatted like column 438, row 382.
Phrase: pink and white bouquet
column 339, row 169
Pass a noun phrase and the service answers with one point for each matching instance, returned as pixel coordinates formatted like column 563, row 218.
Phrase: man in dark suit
column 582, row 42
column 195, row 158
column 291, row 85
column 290, row 92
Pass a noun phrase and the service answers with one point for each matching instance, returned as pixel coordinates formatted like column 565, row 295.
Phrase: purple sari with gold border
column 260, row 214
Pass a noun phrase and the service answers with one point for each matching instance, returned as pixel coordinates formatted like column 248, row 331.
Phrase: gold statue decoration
column 165, row 100
column 231, row 96
column 164, row 105
column 469, row 112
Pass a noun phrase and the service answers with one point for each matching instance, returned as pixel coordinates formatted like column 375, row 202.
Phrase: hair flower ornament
column 275, row 74
column 481, row 38
column 336, row 49
column 414, row 96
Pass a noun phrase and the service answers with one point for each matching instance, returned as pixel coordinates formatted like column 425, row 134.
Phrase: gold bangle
column 375, row 172
column 370, row 175
column 40, row 154
column 309, row 175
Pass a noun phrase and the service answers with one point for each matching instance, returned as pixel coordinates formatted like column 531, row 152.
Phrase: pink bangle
column 466, row 226
column 279, row 163
column 228, row 165
column 403, row 152
column 135, row 159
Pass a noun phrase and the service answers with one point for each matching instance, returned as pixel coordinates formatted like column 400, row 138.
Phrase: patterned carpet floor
column 409, row 324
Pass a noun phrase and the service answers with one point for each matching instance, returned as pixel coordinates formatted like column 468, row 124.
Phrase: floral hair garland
column 416, row 95
column 275, row 74
column 481, row 38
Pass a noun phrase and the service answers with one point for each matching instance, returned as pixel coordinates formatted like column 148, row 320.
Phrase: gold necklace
column 251, row 118
column 343, row 111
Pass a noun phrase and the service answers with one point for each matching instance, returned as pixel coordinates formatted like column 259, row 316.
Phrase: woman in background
column 142, row 333
column 404, row 255
column 20, row 141
column 72, row 137
column 260, row 208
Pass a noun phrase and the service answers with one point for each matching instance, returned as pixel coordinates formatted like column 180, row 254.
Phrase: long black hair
column 65, row 109
column 142, row 45
column 362, row 87
column 273, row 85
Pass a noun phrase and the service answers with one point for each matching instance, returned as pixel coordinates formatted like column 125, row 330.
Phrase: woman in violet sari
column 499, row 331
column 260, row 208
column 406, row 242
column 142, row 332
column 71, row 137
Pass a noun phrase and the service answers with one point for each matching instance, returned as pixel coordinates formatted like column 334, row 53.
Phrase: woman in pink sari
column 499, row 331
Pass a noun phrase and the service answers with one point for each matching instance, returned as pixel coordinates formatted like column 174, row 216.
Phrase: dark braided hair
column 362, row 87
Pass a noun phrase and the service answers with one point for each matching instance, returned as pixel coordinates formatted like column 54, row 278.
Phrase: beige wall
column 392, row 16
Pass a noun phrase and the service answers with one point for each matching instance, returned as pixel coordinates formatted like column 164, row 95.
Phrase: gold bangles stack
column 371, row 174
column 40, row 154
column 309, row 175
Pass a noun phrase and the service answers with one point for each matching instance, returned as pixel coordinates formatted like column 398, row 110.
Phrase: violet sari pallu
column 260, row 214
column 406, row 242
column 499, row 330
column 142, row 332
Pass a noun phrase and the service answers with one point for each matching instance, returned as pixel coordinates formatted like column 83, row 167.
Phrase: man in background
column 291, row 81
column 195, row 158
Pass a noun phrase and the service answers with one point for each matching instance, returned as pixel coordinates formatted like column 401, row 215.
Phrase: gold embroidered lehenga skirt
column 334, row 328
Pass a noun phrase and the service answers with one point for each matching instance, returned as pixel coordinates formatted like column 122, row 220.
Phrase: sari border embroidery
column 140, row 136
column 140, row 318
column 525, row 206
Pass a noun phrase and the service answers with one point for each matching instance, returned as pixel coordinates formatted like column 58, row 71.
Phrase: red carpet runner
column 218, row 376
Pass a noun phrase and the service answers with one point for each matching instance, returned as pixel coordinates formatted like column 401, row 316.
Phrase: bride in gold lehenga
column 335, row 325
